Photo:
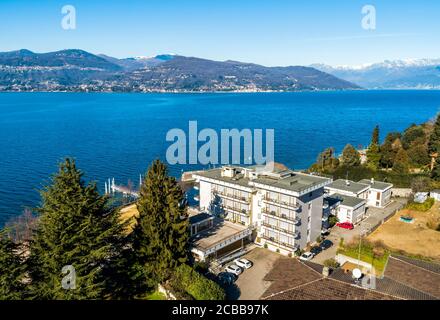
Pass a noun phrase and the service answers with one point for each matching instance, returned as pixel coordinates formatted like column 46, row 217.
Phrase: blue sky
column 269, row 32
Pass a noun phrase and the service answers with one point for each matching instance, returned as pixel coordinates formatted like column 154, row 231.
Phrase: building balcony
column 287, row 218
column 288, row 246
column 238, row 211
column 291, row 233
column 232, row 197
column 277, row 202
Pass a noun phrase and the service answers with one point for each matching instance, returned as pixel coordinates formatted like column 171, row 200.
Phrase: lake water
column 118, row 135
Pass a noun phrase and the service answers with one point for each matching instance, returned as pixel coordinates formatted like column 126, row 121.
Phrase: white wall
column 205, row 195
column 348, row 214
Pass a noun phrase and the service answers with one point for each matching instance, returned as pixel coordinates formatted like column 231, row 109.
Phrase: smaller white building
column 349, row 209
column 379, row 194
column 348, row 188
column 376, row 193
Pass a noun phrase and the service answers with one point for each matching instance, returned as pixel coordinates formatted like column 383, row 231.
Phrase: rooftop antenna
column 346, row 179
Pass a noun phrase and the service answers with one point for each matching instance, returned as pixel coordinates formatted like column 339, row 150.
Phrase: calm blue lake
column 118, row 135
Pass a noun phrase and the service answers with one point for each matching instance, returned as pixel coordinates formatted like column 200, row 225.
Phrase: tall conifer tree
column 373, row 152
column 76, row 228
column 12, row 270
column 160, row 238
column 434, row 139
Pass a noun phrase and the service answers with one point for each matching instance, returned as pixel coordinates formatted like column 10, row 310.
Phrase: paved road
column 375, row 217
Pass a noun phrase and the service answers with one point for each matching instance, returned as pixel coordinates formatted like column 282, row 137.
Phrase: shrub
column 265, row 246
column 341, row 242
column 332, row 220
column 190, row 281
column 331, row 263
column 201, row 266
column 425, row 206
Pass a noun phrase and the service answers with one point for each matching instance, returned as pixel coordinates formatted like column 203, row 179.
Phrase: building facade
column 284, row 207
column 376, row 193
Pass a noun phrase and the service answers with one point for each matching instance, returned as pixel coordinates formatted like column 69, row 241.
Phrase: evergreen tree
column 12, row 270
column 373, row 152
column 350, row 156
column 434, row 139
column 375, row 136
column 76, row 229
column 160, row 237
column 435, row 173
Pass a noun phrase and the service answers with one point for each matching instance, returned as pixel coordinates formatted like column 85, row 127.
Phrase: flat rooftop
column 347, row 200
column 354, row 187
column 216, row 174
column 297, row 182
column 293, row 181
column 379, row 185
column 221, row 231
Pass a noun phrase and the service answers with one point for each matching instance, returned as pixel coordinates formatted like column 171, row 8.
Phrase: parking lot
column 250, row 284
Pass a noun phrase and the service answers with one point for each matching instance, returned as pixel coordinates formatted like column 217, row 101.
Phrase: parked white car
column 234, row 269
column 243, row 263
column 306, row 256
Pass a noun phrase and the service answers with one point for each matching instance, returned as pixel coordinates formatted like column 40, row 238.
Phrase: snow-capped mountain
column 390, row 74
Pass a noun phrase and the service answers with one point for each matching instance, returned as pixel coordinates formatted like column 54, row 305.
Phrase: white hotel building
column 284, row 207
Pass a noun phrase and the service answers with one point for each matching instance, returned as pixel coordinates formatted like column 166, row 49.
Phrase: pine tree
column 160, row 238
column 375, row 136
column 12, row 270
column 435, row 173
column 350, row 156
column 373, row 152
column 434, row 139
column 76, row 228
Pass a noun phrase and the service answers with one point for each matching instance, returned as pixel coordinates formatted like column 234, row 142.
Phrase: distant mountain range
column 397, row 74
column 78, row 70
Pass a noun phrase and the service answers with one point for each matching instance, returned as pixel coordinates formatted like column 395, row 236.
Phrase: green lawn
column 367, row 256
column 156, row 295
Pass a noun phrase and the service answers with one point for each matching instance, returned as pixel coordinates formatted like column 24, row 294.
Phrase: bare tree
column 21, row 228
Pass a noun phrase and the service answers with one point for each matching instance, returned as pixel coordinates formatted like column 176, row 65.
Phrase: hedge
column 196, row 285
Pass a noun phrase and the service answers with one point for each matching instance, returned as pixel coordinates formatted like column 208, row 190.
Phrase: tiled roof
column 286, row 274
column 330, row 289
column 404, row 278
column 293, row 280
column 420, row 275
column 387, row 286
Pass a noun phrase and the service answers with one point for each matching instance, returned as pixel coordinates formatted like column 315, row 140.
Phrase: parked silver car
column 234, row 269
